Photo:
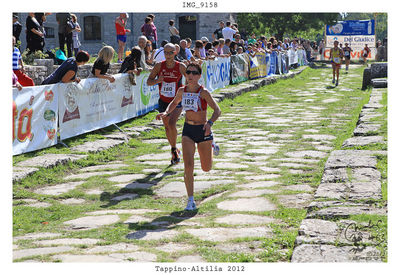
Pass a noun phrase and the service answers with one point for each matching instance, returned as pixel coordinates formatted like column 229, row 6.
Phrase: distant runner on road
column 197, row 129
column 336, row 55
column 346, row 51
column 169, row 78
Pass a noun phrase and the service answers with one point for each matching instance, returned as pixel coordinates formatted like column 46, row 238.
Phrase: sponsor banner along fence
column 96, row 103
column 240, row 68
column 35, row 115
column 216, row 73
column 71, row 109
column 356, row 33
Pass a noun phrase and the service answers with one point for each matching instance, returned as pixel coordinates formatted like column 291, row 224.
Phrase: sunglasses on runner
column 192, row 72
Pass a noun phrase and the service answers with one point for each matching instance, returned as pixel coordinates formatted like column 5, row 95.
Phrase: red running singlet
column 172, row 81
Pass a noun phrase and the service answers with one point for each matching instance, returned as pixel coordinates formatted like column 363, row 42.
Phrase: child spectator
column 102, row 63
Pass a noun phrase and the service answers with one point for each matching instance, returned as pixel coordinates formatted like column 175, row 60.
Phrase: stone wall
column 44, row 67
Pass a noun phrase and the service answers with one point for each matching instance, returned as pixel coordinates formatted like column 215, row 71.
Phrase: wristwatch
column 210, row 122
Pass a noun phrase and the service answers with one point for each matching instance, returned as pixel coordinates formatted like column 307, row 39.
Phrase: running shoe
column 191, row 205
column 333, row 81
column 215, row 148
column 337, row 83
column 175, row 156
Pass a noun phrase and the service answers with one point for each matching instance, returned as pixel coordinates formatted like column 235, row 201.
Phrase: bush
column 28, row 57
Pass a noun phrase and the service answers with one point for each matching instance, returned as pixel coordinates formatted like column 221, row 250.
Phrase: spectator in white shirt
column 228, row 32
column 159, row 54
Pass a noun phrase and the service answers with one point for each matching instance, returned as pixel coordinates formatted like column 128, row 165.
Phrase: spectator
column 380, row 49
column 149, row 53
column 228, row 32
column 15, row 82
column 220, row 46
column 147, row 30
column 18, row 68
column 182, row 55
column 34, row 37
column 152, row 17
column 102, row 64
column 237, row 38
column 253, row 39
column 174, row 33
column 239, row 50
column 226, row 48
column 203, row 49
column 233, row 48
column 321, row 49
column 188, row 51
column 218, row 32
column 67, row 71
column 215, row 45
column 142, row 45
column 17, row 28
column 198, row 46
column 159, row 55
column 65, row 32
column 75, row 34
column 120, row 28
column 131, row 64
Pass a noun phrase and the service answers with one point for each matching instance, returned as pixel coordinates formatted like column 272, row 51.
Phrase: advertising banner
column 357, row 33
column 258, row 66
column 293, row 57
column 216, row 73
column 35, row 114
column 352, row 27
column 272, row 63
column 240, row 68
column 96, row 103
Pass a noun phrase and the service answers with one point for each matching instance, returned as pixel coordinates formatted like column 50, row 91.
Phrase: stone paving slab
column 69, row 258
column 125, row 178
column 157, row 234
column 58, row 189
column 222, row 234
column 253, row 247
column 295, row 201
column 90, row 222
column 125, row 247
column 20, row 173
column 33, row 236
column 190, row 259
column 259, row 184
column 308, row 253
column 362, row 141
column 49, row 160
column 345, row 212
column 252, row 193
column 309, row 153
column 125, row 197
column 242, row 219
column 22, row 253
column 123, row 211
column 350, row 159
column 67, row 241
column 175, row 247
column 103, row 167
column 97, row 146
column 88, row 175
column 253, row 204
column 365, row 129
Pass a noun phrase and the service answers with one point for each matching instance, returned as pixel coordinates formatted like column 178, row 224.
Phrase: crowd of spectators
column 226, row 40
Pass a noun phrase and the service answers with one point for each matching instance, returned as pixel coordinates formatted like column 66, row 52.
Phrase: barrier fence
column 40, row 113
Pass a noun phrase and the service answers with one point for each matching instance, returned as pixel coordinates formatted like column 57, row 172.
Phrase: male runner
column 336, row 55
column 169, row 78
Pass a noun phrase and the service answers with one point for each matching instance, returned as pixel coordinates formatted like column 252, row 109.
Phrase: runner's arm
column 152, row 77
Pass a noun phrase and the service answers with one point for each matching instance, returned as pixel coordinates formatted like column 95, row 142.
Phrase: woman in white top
column 174, row 33
column 75, row 38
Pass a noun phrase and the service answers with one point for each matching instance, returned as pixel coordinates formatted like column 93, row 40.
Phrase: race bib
column 346, row 53
column 168, row 89
column 336, row 60
column 190, row 101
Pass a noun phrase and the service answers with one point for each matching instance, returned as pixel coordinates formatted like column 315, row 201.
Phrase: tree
column 280, row 24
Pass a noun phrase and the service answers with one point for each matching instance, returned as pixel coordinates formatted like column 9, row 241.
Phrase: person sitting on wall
column 67, row 71
column 131, row 64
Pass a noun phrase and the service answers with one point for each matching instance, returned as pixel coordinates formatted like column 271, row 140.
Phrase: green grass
column 276, row 98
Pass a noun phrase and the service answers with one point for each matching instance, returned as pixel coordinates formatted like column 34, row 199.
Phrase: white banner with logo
column 35, row 114
column 96, row 103
column 216, row 73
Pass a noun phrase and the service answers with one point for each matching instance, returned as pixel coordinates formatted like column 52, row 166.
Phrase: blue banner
column 352, row 27
column 273, row 63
